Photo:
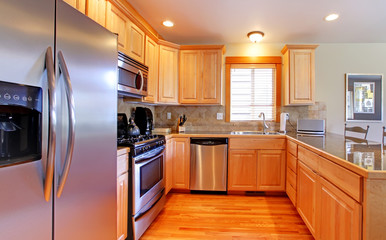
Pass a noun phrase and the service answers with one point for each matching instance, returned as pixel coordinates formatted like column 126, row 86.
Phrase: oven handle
column 147, row 157
column 143, row 212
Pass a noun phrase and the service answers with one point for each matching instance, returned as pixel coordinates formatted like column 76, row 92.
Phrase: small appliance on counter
column 144, row 120
column 311, row 126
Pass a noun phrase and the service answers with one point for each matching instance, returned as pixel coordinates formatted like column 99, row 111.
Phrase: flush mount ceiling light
column 331, row 17
column 255, row 36
column 168, row 23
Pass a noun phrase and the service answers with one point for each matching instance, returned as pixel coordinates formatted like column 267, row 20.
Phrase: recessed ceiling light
column 168, row 23
column 331, row 17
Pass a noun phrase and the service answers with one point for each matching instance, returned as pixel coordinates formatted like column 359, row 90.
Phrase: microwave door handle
column 140, row 73
column 49, row 65
column 71, row 129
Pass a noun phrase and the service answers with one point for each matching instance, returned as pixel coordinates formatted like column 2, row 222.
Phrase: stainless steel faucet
column 265, row 126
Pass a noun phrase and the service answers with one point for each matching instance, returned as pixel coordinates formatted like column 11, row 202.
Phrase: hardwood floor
column 204, row 216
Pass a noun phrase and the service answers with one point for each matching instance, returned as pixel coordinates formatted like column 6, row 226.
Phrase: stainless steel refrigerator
column 69, row 190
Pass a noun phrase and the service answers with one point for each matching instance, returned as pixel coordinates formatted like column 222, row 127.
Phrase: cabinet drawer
column 291, row 162
column 291, row 192
column 309, row 158
column 256, row 143
column 122, row 164
column 291, row 178
column 292, row 148
column 344, row 179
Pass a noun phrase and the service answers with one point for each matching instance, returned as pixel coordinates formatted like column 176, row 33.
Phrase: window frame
column 277, row 61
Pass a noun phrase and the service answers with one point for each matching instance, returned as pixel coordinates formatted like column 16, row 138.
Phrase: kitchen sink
column 254, row 133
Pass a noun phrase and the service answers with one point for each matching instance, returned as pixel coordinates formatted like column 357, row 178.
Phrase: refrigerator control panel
column 21, row 95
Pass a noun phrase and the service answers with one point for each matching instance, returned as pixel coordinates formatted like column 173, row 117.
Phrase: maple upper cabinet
column 299, row 74
column 96, row 10
column 80, row 5
column 200, row 74
column 117, row 22
column 168, row 73
column 151, row 60
column 181, row 163
column 136, row 42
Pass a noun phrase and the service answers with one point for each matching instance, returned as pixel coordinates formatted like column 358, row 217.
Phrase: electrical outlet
column 169, row 115
column 219, row 116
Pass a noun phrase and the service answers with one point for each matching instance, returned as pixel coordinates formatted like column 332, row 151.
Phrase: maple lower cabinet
column 168, row 74
column 169, row 165
column 242, row 166
column 339, row 216
column 200, row 74
column 306, row 196
column 122, row 195
column 181, row 163
column 151, row 60
column 271, row 170
column 291, row 177
column 299, row 74
column 117, row 22
column 256, row 164
column 80, row 5
column 96, row 10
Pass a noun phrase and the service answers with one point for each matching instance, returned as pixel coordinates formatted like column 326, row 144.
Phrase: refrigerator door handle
column 71, row 129
column 49, row 65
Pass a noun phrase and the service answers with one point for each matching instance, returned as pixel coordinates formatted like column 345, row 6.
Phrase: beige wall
column 332, row 61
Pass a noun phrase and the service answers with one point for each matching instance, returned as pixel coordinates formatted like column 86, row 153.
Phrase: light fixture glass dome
column 255, row 36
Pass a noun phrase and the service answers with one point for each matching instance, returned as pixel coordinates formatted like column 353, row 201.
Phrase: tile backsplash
column 204, row 118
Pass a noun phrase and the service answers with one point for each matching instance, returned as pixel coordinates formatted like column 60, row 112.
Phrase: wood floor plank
column 233, row 217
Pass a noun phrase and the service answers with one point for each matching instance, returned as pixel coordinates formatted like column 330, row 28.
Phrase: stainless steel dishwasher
column 208, row 164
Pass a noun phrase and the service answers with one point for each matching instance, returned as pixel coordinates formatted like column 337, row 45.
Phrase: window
column 253, row 86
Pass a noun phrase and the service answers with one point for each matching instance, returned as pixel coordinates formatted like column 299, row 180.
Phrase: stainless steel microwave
column 132, row 77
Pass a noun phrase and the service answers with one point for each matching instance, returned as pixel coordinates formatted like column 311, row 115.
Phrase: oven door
column 148, row 177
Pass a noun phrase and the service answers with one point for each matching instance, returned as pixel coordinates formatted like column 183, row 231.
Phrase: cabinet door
column 122, row 204
column 80, row 5
column 211, row 77
column 168, row 75
column 169, row 165
column 338, row 215
column 151, row 60
column 117, row 22
column 136, row 42
column 302, row 76
column 181, row 163
column 306, row 196
column 190, row 76
column 96, row 10
column 271, row 170
column 242, row 170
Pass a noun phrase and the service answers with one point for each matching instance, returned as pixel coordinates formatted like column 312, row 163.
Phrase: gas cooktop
column 135, row 141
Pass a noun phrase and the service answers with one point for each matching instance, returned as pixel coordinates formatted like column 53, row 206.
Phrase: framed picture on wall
column 364, row 94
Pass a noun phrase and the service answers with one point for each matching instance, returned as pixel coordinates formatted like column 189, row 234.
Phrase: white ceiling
column 282, row 21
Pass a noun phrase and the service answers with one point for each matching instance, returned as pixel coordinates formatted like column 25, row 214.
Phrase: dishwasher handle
column 209, row 141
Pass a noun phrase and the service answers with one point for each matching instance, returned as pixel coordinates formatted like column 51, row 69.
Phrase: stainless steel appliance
column 70, row 191
column 311, row 126
column 146, row 179
column 208, row 164
column 132, row 78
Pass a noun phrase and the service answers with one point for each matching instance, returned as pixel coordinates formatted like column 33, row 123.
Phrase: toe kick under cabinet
column 256, row 164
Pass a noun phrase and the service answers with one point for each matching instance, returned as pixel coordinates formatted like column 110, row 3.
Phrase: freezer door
column 85, row 204
column 26, row 30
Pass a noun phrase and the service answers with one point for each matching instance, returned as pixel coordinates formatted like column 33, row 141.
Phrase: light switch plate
column 169, row 115
column 219, row 116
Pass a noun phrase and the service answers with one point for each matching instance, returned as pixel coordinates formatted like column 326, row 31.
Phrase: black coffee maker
column 144, row 120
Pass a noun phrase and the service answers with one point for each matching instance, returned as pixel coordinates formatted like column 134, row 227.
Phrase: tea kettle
column 132, row 129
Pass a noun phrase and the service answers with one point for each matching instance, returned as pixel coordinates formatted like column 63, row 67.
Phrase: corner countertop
column 363, row 158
